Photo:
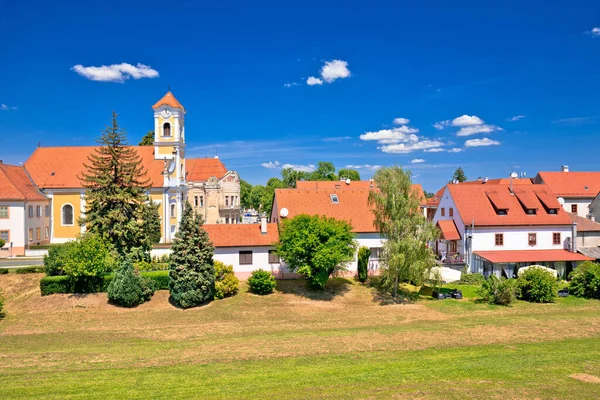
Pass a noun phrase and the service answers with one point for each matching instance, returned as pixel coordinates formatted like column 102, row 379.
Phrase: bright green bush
column 585, row 280
column 159, row 278
column 261, row 282
column 471, row 279
column 89, row 256
column 128, row 289
column 537, row 285
column 2, row 242
column 226, row 283
column 363, row 263
column 56, row 258
column 63, row 284
column 3, row 271
column 30, row 270
column 498, row 291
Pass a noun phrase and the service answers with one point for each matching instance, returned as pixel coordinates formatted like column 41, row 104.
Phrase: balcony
column 228, row 206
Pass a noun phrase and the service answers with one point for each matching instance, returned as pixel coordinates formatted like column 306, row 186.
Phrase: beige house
column 213, row 191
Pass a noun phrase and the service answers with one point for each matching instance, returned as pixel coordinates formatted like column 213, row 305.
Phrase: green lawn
column 296, row 343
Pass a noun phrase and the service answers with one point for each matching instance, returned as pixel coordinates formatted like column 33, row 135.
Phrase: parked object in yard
column 522, row 270
column 456, row 294
column 563, row 292
column 438, row 295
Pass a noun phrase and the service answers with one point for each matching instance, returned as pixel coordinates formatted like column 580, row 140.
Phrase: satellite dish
column 171, row 167
column 284, row 212
column 348, row 181
column 561, row 201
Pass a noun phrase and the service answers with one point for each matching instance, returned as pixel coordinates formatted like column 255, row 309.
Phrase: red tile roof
column 475, row 203
column 15, row 184
column 448, row 229
column 59, row 167
column 572, row 184
column 510, row 256
column 201, row 169
column 364, row 185
column 584, row 224
column 241, row 235
column 435, row 200
column 168, row 100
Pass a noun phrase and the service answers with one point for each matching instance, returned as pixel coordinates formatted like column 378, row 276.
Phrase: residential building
column 213, row 191
column 500, row 228
column 24, row 212
column 588, row 236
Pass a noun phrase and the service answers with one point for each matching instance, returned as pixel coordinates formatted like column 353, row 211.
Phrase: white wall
column 14, row 223
column 516, row 238
column 447, row 202
column 260, row 259
column 583, row 205
column 37, row 222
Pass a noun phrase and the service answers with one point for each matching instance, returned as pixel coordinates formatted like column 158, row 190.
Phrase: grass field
column 346, row 342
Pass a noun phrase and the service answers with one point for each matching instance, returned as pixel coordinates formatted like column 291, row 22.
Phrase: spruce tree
column 117, row 204
column 128, row 289
column 191, row 271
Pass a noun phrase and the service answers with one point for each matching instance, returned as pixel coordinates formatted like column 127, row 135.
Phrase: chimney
column 574, row 237
column 565, row 168
column 0, row 162
column 263, row 223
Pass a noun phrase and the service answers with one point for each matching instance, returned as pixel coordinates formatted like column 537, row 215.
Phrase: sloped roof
column 593, row 252
column 473, row 204
column 572, row 184
column 201, row 169
column 59, row 167
column 15, row 184
column 435, row 200
column 241, row 235
column 168, row 100
column 584, row 224
column 448, row 229
column 362, row 185
column 503, row 256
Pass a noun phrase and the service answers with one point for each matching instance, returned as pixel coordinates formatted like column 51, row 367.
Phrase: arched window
column 67, row 214
column 167, row 129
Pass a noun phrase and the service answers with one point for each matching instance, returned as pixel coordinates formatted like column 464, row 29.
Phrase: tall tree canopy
column 325, row 172
column 459, row 175
column 118, row 207
column 245, row 194
column 290, row 176
column 351, row 174
column 148, row 139
column 406, row 256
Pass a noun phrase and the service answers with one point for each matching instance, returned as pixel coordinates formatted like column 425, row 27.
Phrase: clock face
column 165, row 113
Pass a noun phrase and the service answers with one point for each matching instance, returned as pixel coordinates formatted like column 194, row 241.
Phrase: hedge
column 63, row 284
column 30, row 270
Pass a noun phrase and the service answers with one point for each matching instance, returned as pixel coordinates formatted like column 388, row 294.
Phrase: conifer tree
column 117, row 204
column 128, row 289
column 191, row 271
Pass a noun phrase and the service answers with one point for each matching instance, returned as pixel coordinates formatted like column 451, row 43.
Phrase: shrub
column 1, row 306
column 537, row 285
column 30, row 270
column 63, row 284
column 261, row 282
column 363, row 263
column 3, row 271
column 2, row 242
column 585, row 280
column 226, row 283
column 498, row 291
column 471, row 279
column 56, row 258
column 128, row 289
column 55, row 284
column 89, row 256
column 159, row 278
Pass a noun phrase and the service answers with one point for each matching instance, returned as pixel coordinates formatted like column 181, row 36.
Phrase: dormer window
column 334, row 198
column 553, row 211
column 502, row 212
column 167, row 129
column 531, row 211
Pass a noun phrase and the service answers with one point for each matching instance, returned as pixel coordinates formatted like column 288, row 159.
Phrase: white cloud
column 116, row 72
column 302, row 168
column 335, row 139
column 395, row 135
column 313, row 81
column 441, row 124
column 4, row 107
column 595, row 32
column 515, row 118
column 335, row 69
column 417, row 161
column 404, row 148
column 481, row 142
column 401, row 121
column 467, row 120
column 455, row 150
column 365, row 167
column 290, row 84
column 271, row 165
column 475, row 129
column 434, row 150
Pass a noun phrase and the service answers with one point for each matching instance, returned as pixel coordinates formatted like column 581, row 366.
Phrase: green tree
column 127, row 288
column 351, row 174
column 2, row 242
column 363, row 263
column 257, row 194
column 290, row 176
column 428, row 194
column 325, row 172
column 406, row 256
column 459, row 175
column 316, row 246
column 148, row 139
column 191, row 271
column 245, row 194
column 117, row 204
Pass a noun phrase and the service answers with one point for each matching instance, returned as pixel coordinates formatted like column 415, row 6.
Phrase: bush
column 2, row 242
column 159, row 278
column 3, row 271
column 55, row 284
column 1, row 306
column 471, row 279
column 585, row 280
column 88, row 256
column 63, row 284
column 261, row 282
column 128, row 289
column 498, row 291
column 226, row 283
column 363, row 263
column 56, row 258
column 30, row 270
column 537, row 285
column 150, row 266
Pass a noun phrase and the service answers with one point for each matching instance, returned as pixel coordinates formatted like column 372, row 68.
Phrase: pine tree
column 128, row 289
column 117, row 204
column 459, row 175
column 191, row 271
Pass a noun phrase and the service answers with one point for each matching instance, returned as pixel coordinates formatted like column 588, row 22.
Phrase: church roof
column 201, row 169
column 168, row 100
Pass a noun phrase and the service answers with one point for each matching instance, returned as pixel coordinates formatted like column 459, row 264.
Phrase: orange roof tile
column 201, row 169
column 435, row 200
column 572, row 184
column 473, row 204
column 15, row 184
column 503, row 256
column 584, row 224
column 168, row 100
column 241, row 235
column 448, row 229
column 59, row 167
column 362, row 185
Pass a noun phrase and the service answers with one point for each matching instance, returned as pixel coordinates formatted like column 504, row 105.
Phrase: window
column 47, row 211
column 46, row 233
column 334, row 198
column 5, row 235
column 532, row 239
column 453, row 246
column 246, row 257
column 30, row 235
column 172, row 210
column 556, row 238
column 273, row 257
column 375, row 253
column 226, row 200
column 574, row 208
column 226, row 220
column 451, row 212
column 443, row 212
column 499, row 239
column 67, row 214
column 38, row 233
column 167, row 129
column 201, row 201
column 196, row 201
column 30, row 211
column 38, row 211
column 3, row 211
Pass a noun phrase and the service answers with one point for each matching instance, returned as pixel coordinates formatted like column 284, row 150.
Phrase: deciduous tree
column 351, row 174
column 325, row 172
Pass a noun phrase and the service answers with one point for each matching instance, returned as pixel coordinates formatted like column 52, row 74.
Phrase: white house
column 500, row 228
column 24, row 212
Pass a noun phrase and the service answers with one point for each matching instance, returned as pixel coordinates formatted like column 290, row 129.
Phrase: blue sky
column 241, row 69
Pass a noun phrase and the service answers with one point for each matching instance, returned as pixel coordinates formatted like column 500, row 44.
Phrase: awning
column 449, row 229
column 513, row 256
column 593, row 252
